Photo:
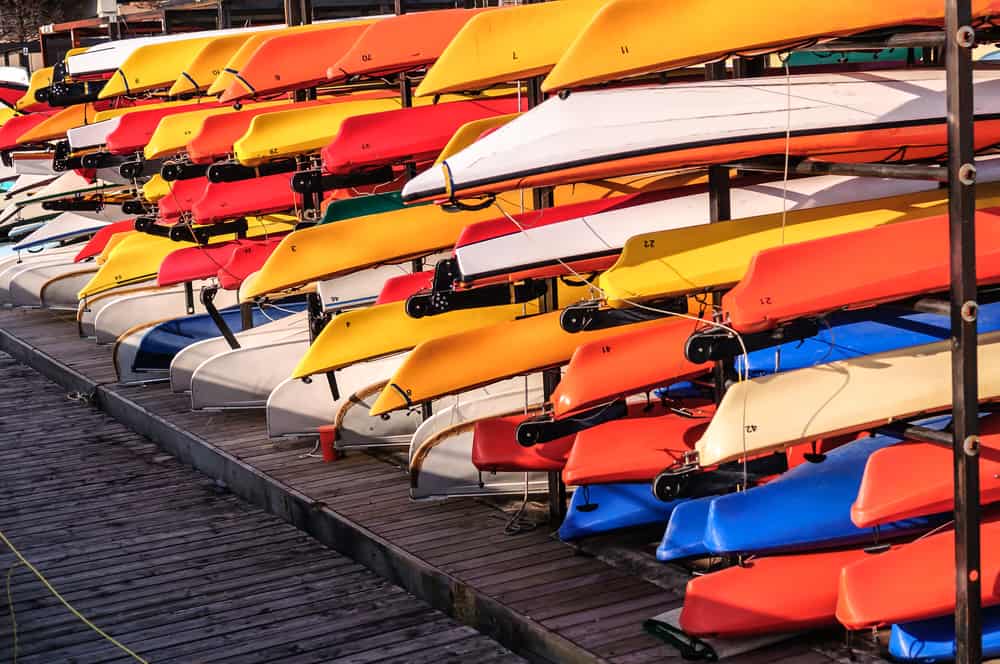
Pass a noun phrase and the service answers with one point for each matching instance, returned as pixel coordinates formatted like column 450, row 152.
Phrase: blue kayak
column 809, row 507
column 599, row 508
column 846, row 335
column 685, row 533
column 162, row 342
column 934, row 640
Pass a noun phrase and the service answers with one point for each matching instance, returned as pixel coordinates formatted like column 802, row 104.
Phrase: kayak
column 625, row 38
column 495, row 448
column 442, row 448
column 626, row 360
column 636, row 449
column 660, row 265
column 14, row 128
column 507, row 44
column 155, row 188
column 817, row 501
column 208, row 61
column 87, row 310
column 397, row 289
column 590, row 237
column 181, row 197
column 161, row 343
column 892, row 263
column 375, row 239
column 142, row 306
column 933, row 640
column 927, row 486
column 600, row 508
column 880, row 590
column 55, row 126
column 40, row 78
column 69, row 225
column 201, row 262
column 406, row 134
column 222, row 201
column 773, row 412
column 386, row 329
column 278, row 64
column 684, row 536
column 92, row 135
column 106, row 57
column 607, row 133
column 28, row 287
column 776, row 594
column 245, row 261
column 482, row 356
column 400, row 43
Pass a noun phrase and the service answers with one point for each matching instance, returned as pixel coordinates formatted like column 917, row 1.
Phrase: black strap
column 691, row 647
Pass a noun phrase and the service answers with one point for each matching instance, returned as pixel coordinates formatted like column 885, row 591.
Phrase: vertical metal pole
column 224, row 17
column 964, row 369
column 542, row 197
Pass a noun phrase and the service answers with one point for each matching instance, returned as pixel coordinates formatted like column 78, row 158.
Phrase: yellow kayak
column 469, row 132
column 155, row 189
column 174, row 131
column 41, row 78
column 132, row 257
column 242, row 55
column 463, row 361
column 508, row 44
column 125, row 110
column 629, row 37
column 659, row 265
column 6, row 113
column 328, row 250
column 197, row 75
column 152, row 66
column 372, row 332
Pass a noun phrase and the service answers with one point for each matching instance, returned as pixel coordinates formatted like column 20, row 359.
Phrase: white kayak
column 12, row 266
column 184, row 364
column 773, row 412
column 296, row 408
column 244, row 377
column 605, row 233
column 592, row 127
column 70, row 225
column 33, row 286
column 441, row 449
column 34, row 163
column 124, row 350
column 88, row 309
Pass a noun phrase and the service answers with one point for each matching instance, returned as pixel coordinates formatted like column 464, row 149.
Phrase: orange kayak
column 927, row 486
column 630, row 359
column 291, row 61
column 400, row 43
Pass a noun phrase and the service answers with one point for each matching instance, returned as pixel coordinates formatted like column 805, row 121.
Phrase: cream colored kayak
column 658, row 265
column 123, row 353
column 28, row 287
column 244, row 377
column 136, row 309
column 59, row 293
column 187, row 361
column 297, row 408
column 773, row 412
column 88, row 309
column 441, row 449
column 508, row 44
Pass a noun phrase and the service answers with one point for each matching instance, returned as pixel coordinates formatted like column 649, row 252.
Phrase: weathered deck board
column 580, row 599
column 158, row 557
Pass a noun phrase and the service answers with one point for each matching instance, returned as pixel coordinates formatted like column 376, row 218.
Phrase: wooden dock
column 542, row 598
column 173, row 566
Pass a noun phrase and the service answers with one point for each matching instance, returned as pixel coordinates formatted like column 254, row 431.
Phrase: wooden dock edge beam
column 442, row 591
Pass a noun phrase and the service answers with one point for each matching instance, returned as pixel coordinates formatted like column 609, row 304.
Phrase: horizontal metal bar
column 925, row 38
column 933, row 305
column 917, row 432
column 810, row 167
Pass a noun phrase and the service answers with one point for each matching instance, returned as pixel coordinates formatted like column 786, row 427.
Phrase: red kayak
column 292, row 61
column 11, row 130
column 636, row 449
column 217, row 134
column 134, row 129
column 406, row 134
column 182, row 197
column 401, row 43
column 887, row 495
column 222, row 201
column 888, row 263
column 247, row 259
column 776, row 594
column 630, row 362
column 914, row 581
column 193, row 263
column 399, row 288
column 495, row 448
column 101, row 238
